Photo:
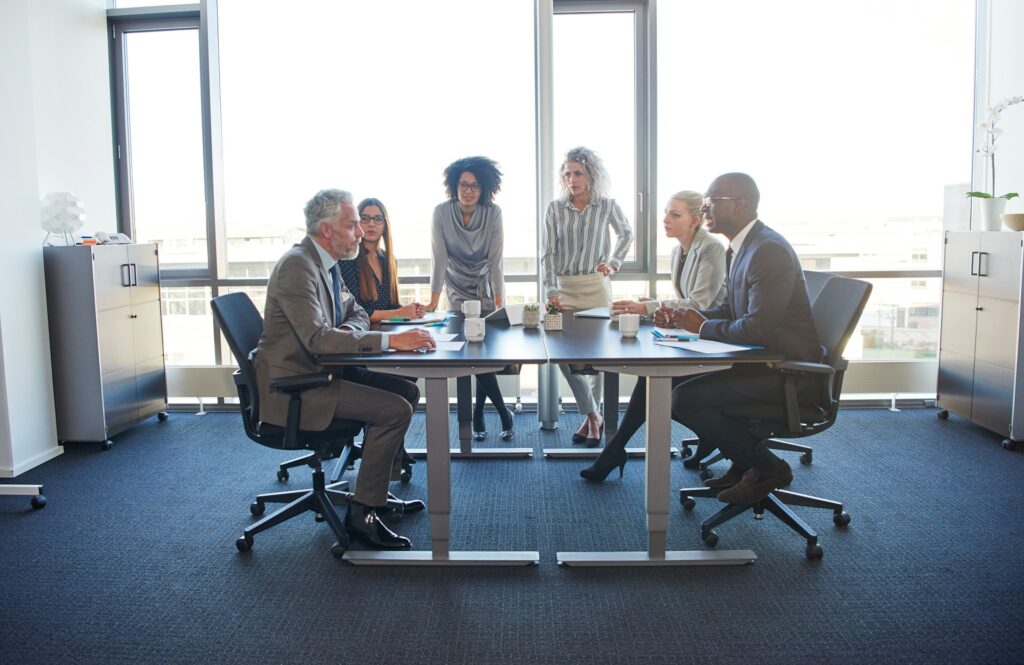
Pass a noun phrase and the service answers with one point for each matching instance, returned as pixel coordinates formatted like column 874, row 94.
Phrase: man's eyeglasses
column 708, row 200
column 469, row 186
column 372, row 219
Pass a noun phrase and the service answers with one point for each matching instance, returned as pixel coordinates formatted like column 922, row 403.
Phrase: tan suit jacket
column 297, row 324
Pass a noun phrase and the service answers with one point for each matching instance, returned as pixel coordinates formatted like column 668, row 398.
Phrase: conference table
column 594, row 343
column 501, row 346
column 597, row 344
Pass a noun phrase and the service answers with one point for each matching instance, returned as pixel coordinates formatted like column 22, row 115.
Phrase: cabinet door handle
column 982, row 272
column 974, row 270
column 126, row 279
column 135, row 274
column 135, row 316
column 980, row 309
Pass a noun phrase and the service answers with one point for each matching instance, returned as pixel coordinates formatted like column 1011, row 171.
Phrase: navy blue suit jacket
column 767, row 302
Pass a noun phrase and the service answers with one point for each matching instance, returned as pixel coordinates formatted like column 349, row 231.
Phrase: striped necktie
column 336, row 287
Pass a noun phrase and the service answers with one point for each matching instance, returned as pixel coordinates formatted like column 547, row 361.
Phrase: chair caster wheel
column 806, row 458
column 406, row 474
column 282, row 475
column 106, row 445
column 841, row 519
column 244, row 544
column 38, row 501
column 1009, row 444
column 161, row 416
column 688, row 503
column 710, row 538
column 814, row 552
column 338, row 550
column 318, row 517
column 943, row 414
column 686, row 451
column 257, row 508
column 705, row 474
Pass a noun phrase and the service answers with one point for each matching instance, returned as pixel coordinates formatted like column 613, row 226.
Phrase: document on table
column 674, row 334
column 703, row 346
column 438, row 336
column 450, row 346
column 594, row 313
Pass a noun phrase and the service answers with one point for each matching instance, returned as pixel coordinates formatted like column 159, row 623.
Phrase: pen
column 397, row 319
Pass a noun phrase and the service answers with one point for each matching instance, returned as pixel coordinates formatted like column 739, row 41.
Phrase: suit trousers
column 697, row 403
column 386, row 404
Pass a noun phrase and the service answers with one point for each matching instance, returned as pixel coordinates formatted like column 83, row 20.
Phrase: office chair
column 242, row 325
column 836, row 310
column 815, row 283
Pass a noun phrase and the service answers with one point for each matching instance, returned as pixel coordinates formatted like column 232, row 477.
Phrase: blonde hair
column 693, row 202
column 600, row 183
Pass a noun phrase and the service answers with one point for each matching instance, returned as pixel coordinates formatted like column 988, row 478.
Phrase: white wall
column 1006, row 79
column 55, row 135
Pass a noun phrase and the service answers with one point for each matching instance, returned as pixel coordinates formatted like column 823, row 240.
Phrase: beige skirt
column 584, row 291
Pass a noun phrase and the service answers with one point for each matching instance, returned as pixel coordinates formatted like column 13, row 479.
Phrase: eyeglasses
column 469, row 186
column 372, row 219
column 708, row 200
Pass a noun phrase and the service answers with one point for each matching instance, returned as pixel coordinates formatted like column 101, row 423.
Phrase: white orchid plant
column 992, row 133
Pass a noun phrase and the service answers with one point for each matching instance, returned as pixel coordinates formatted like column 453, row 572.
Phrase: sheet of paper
column 674, row 333
column 443, row 337
column 703, row 346
column 450, row 346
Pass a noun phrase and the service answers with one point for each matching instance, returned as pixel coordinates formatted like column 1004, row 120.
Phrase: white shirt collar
column 737, row 242
column 325, row 258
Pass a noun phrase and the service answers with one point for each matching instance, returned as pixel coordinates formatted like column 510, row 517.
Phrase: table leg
column 611, row 405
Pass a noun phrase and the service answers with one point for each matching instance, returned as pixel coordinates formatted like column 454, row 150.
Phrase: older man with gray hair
column 310, row 312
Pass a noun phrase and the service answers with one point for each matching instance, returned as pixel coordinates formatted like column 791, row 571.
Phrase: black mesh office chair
column 242, row 326
column 837, row 310
column 815, row 283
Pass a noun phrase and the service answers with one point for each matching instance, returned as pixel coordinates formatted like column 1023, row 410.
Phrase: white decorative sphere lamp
column 62, row 213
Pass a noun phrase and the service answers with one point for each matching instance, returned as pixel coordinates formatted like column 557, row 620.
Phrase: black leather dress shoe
column 366, row 527
column 405, row 507
column 755, row 485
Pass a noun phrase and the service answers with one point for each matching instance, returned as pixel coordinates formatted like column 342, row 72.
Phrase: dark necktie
column 336, row 287
column 728, row 262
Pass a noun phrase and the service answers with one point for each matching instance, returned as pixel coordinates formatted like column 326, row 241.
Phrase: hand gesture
column 411, row 340
column 628, row 307
column 684, row 318
column 605, row 269
column 413, row 310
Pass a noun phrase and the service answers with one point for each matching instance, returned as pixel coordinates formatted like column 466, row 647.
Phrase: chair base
column 806, row 453
column 777, row 503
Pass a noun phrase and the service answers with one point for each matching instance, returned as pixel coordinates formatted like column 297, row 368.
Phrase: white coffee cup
column 629, row 324
column 471, row 308
column 474, row 328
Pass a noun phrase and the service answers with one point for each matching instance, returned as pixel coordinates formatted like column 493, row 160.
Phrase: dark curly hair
column 486, row 172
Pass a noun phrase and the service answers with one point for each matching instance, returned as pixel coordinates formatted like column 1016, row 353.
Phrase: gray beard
column 352, row 254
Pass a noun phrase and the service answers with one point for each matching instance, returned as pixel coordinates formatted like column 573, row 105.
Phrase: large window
column 855, row 120
column 366, row 97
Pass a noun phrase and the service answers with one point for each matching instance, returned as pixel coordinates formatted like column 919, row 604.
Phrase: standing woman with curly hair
column 468, row 240
column 577, row 260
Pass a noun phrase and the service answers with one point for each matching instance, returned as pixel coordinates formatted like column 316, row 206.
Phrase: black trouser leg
column 487, row 388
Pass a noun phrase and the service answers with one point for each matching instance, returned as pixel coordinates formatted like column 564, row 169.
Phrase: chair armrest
column 301, row 383
column 804, row 367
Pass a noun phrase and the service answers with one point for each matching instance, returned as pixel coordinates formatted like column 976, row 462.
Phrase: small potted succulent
column 531, row 316
column 553, row 317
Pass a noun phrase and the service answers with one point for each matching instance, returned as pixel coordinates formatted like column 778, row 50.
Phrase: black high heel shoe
column 591, row 442
column 608, row 460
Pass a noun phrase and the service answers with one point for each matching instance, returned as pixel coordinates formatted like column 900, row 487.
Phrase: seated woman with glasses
column 468, row 241
column 698, row 279
column 372, row 276
column 577, row 260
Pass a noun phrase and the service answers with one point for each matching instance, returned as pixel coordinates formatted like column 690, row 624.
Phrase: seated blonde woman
column 698, row 279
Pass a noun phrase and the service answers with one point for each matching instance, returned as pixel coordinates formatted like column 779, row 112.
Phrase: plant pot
column 531, row 318
column 991, row 209
column 553, row 321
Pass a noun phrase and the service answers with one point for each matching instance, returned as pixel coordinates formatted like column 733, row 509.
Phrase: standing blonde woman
column 578, row 260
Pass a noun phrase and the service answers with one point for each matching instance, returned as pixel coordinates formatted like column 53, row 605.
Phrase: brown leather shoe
column 727, row 479
column 755, row 486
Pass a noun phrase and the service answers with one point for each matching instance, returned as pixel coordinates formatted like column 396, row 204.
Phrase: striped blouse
column 575, row 242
